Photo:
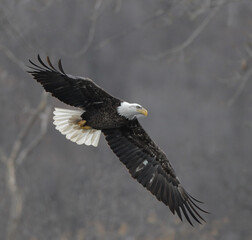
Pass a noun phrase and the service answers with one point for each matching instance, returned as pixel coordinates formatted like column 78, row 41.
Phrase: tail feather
column 66, row 122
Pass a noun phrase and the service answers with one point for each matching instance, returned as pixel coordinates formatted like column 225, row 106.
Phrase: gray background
column 187, row 62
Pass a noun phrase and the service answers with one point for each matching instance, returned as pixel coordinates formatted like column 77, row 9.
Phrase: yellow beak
column 143, row 111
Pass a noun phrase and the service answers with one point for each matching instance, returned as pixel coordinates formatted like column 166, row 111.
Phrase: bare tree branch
column 12, row 57
column 126, row 32
column 24, row 132
column 239, row 90
column 244, row 75
column 36, row 141
column 92, row 28
column 3, row 157
column 191, row 38
column 204, row 7
column 16, row 199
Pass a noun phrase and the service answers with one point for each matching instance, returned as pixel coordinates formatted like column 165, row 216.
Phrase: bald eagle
column 118, row 121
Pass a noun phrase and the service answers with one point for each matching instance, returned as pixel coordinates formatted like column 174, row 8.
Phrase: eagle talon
column 82, row 125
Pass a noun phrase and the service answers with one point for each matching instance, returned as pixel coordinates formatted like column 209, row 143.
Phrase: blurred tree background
column 188, row 62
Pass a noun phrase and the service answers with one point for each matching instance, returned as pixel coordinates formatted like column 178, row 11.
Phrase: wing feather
column 75, row 91
column 149, row 165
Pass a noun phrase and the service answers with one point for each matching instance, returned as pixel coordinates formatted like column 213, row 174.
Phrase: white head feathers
column 131, row 110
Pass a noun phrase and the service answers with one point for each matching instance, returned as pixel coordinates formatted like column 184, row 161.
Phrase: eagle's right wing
column 149, row 165
column 75, row 91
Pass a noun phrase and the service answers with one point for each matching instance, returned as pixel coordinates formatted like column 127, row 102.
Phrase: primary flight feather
column 117, row 120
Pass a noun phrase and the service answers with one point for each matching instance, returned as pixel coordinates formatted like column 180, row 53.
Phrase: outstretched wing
column 150, row 166
column 75, row 91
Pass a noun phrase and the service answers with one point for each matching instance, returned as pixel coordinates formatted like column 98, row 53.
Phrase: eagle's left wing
column 75, row 91
column 149, row 165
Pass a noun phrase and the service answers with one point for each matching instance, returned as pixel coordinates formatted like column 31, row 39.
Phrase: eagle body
column 104, row 116
column 99, row 112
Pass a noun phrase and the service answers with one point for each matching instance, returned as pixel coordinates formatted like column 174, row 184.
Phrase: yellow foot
column 82, row 125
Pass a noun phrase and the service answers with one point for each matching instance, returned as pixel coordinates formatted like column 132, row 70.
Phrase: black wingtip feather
column 35, row 66
column 191, row 213
column 186, row 215
column 60, row 66
column 196, row 200
column 43, row 64
column 179, row 214
column 197, row 205
column 191, row 206
column 50, row 64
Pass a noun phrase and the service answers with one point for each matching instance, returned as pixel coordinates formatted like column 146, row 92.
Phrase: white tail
column 66, row 122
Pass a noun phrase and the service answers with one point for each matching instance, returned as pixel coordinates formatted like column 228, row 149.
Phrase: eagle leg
column 83, row 126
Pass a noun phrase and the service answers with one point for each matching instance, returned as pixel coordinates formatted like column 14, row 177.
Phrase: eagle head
column 131, row 110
